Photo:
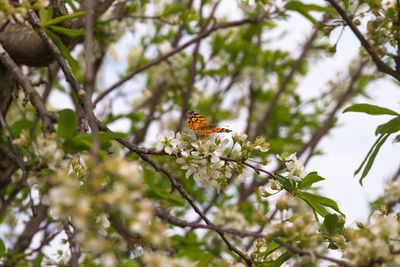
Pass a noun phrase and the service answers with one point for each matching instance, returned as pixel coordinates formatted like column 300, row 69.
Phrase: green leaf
column 38, row 260
column 105, row 137
column 2, row 249
column 68, row 32
column 64, row 51
column 279, row 261
column 331, row 223
column 129, row 264
column 318, row 208
column 64, row 18
column 346, row 4
column 370, row 109
column 67, row 123
column 368, row 154
column 164, row 194
column 149, row 177
column 79, row 143
column 18, row 126
column 285, row 182
column 45, row 14
column 272, row 246
column 71, row 4
column 204, row 260
column 304, row 9
column 372, row 158
column 324, row 201
column 389, row 127
column 310, row 179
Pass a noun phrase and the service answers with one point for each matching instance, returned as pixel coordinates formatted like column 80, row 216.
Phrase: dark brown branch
column 301, row 252
column 166, row 216
column 73, row 245
column 225, row 25
column 10, row 199
column 182, row 25
column 19, row 160
column 31, row 228
column 90, row 75
column 130, row 239
column 30, row 93
column 364, row 42
column 159, row 18
column 83, row 96
column 274, row 212
column 175, row 185
column 181, row 190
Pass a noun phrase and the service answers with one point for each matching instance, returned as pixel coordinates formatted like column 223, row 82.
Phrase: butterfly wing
column 196, row 121
column 200, row 125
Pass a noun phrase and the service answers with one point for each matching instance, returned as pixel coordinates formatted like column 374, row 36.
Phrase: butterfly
column 202, row 126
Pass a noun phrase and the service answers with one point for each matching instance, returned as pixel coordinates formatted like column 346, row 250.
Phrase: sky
column 345, row 147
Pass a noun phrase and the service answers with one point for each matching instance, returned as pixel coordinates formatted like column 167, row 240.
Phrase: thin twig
column 302, row 252
column 73, row 244
column 165, row 215
column 364, row 42
column 225, row 25
column 143, row 17
column 19, row 160
column 82, row 95
column 318, row 134
column 30, row 94
column 181, row 190
column 250, row 244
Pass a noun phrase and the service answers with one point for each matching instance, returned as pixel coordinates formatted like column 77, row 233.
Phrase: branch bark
column 364, row 42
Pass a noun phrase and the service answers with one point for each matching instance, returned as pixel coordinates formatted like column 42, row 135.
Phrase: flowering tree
column 171, row 188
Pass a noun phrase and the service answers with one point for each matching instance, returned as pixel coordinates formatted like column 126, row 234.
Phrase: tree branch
column 30, row 93
column 82, row 95
column 164, row 215
column 364, row 42
column 31, row 228
column 90, row 76
column 225, row 25
column 310, row 253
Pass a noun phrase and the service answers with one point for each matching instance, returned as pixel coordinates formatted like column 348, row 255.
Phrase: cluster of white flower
column 203, row 157
column 379, row 240
column 45, row 147
column 88, row 194
column 302, row 228
column 294, row 166
column 391, row 194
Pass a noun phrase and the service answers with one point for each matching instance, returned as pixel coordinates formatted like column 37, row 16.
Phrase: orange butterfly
column 200, row 125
